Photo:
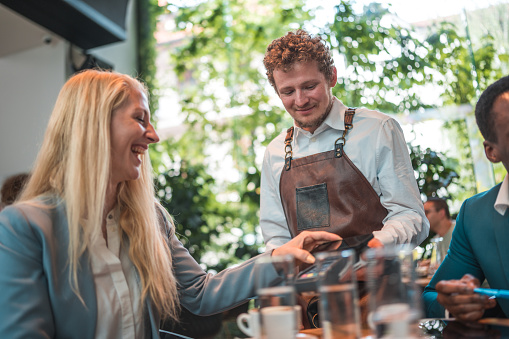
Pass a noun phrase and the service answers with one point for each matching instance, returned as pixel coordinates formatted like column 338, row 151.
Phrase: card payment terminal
column 307, row 280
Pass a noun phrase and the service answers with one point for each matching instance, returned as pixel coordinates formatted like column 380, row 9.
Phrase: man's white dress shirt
column 502, row 202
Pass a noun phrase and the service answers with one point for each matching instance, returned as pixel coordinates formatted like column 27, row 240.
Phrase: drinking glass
column 274, row 282
column 436, row 255
column 394, row 298
column 339, row 302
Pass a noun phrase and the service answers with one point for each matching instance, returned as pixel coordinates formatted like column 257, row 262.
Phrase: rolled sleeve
column 405, row 221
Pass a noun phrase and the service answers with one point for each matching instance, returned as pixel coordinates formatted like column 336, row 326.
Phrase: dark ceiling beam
column 84, row 23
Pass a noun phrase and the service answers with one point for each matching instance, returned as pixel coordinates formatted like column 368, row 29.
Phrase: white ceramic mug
column 249, row 323
column 280, row 322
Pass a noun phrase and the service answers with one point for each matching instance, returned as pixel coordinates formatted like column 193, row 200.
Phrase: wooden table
column 318, row 332
column 484, row 328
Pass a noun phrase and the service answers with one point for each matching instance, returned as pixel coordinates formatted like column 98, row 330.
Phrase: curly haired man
column 339, row 169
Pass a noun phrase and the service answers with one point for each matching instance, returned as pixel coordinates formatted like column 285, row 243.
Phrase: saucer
column 298, row 336
column 305, row 336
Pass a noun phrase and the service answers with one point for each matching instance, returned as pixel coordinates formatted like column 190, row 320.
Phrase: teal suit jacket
column 36, row 299
column 479, row 246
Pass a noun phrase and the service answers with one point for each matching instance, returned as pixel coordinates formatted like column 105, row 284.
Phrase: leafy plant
column 203, row 224
column 148, row 11
column 434, row 171
column 219, row 74
column 228, row 104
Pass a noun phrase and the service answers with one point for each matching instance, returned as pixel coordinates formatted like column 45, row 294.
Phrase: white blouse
column 119, row 307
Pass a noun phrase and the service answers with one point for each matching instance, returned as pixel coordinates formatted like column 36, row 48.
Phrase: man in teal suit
column 479, row 248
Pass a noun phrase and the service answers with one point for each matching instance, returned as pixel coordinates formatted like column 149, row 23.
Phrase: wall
column 29, row 84
column 30, row 80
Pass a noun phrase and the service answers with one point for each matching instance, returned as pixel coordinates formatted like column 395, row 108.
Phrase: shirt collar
column 335, row 119
column 502, row 202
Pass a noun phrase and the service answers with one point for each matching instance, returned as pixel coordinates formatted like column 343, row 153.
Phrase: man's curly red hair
column 296, row 47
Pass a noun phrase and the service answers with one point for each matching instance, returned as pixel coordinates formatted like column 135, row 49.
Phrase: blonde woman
column 87, row 252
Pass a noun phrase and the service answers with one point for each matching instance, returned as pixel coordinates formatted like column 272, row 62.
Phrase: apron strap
column 350, row 112
column 288, row 148
column 338, row 144
column 341, row 141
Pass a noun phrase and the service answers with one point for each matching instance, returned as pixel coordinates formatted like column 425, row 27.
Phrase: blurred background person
column 440, row 222
column 11, row 188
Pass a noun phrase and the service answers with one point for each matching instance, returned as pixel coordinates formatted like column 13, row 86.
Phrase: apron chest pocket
column 312, row 207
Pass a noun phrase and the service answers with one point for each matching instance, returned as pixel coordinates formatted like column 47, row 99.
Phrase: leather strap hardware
column 341, row 141
column 288, row 148
column 338, row 144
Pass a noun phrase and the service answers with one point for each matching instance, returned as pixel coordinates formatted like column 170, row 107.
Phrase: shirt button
column 313, row 139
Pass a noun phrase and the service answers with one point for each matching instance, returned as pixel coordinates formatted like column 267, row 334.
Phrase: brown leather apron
column 327, row 192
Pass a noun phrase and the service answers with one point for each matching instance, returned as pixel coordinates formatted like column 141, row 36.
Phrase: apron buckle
column 338, row 147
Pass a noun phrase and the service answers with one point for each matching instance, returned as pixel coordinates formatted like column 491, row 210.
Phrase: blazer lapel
column 154, row 319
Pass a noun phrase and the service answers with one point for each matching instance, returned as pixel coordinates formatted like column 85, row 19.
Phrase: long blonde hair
column 74, row 163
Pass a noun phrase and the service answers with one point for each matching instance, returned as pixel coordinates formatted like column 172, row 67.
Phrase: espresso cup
column 279, row 322
column 249, row 323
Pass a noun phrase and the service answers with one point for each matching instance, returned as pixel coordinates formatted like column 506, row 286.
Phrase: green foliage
column 436, row 175
column 463, row 75
column 435, row 172
column 228, row 40
column 148, row 11
column 188, row 194
column 386, row 67
column 384, row 61
column 465, row 165
column 222, row 55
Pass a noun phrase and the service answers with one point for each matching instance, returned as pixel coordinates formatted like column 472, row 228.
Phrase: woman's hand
column 301, row 246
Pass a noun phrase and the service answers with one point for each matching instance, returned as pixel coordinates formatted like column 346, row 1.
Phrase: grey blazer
column 36, row 300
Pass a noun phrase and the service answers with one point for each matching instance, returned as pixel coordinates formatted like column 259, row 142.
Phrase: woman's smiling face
column 131, row 133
